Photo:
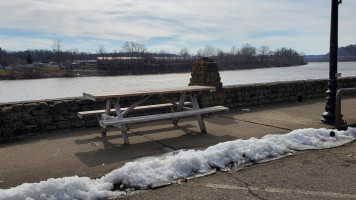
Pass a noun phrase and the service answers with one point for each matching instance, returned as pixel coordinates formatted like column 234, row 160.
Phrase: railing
column 338, row 121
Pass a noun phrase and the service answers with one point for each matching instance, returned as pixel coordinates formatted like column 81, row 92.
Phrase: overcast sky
column 303, row 25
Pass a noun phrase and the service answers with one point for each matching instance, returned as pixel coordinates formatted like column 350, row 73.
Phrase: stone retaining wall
column 239, row 96
column 23, row 119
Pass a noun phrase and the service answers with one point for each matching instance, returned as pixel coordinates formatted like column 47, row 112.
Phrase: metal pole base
column 328, row 118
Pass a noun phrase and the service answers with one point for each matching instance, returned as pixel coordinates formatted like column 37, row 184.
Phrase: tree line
column 134, row 58
column 248, row 57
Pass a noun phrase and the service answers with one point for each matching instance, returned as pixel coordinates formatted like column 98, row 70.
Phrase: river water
column 37, row 89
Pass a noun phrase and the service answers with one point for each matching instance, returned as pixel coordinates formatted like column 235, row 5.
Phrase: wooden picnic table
column 178, row 109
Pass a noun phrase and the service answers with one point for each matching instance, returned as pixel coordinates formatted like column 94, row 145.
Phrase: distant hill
column 346, row 54
column 347, row 51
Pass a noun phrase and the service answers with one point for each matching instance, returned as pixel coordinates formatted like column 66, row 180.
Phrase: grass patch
column 2, row 72
column 50, row 69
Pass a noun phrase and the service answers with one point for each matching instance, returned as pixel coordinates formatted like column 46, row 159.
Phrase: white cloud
column 24, row 43
column 185, row 21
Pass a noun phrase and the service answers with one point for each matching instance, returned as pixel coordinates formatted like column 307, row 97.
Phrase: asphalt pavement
column 317, row 174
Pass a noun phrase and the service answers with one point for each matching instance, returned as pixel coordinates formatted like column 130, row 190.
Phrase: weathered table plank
column 127, row 93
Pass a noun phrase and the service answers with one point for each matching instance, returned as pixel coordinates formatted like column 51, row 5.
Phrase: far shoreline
column 102, row 73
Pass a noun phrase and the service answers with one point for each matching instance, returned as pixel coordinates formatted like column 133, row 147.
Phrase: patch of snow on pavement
column 66, row 188
column 309, row 138
column 144, row 173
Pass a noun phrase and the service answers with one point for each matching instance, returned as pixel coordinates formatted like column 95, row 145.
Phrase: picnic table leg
column 199, row 118
column 103, row 132
column 180, row 106
column 123, row 127
column 107, row 112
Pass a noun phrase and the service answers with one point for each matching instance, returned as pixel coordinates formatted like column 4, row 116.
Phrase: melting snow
column 147, row 172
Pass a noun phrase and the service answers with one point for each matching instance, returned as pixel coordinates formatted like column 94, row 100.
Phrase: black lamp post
column 328, row 117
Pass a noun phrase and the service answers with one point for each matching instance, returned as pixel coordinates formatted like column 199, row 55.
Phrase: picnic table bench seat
column 146, row 118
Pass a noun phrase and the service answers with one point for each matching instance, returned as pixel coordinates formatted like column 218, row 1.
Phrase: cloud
column 24, row 43
column 275, row 23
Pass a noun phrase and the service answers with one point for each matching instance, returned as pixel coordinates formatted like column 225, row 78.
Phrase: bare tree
column 288, row 57
column 233, row 57
column 73, row 55
column 101, row 51
column 57, row 49
column 134, row 49
column 115, row 53
column 234, row 51
column 248, row 50
column 184, row 52
column 248, row 54
column 69, row 56
column 209, row 51
column 219, row 54
column 264, row 52
column 200, row 53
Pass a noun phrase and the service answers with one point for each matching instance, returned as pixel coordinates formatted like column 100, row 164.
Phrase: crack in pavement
column 169, row 147
column 332, row 195
column 248, row 187
column 256, row 123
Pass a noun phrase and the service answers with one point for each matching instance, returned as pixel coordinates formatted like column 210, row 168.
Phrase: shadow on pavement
column 113, row 150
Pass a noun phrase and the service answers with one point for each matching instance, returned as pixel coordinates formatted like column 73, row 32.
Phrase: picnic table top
column 129, row 92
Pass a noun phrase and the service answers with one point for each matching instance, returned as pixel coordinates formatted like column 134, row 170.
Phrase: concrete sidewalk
column 324, row 174
column 320, row 174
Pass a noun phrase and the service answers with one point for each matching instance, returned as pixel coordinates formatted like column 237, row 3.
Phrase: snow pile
column 142, row 174
column 146, row 172
column 62, row 188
